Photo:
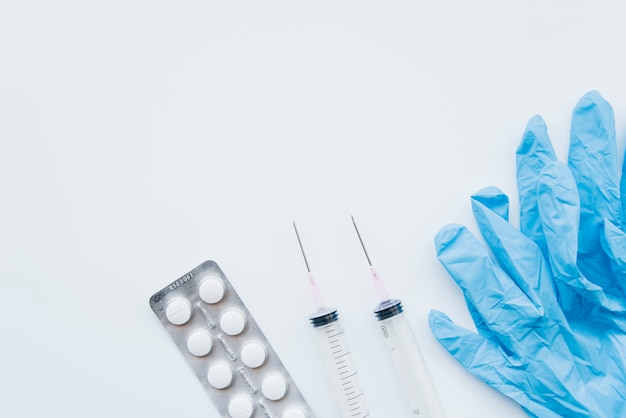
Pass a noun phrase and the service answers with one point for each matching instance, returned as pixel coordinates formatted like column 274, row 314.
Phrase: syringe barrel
column 407, row 360
column 340, row 366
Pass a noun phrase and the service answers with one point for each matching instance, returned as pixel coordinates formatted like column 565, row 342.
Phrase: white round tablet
column 232, row 322
column 253, row 354
column 199, row 343
column 212, row 290
column 274, row 387
column 293, row 413
column 220, row 375
column 178, row 311
column 240, row 407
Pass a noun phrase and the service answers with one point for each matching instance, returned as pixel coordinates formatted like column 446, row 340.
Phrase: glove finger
column 479, row 322
column 517, row 254
column 614, row 243
column 523, row 262
column 593, row 161
column 496, row 298
column 479, row 355
column 495, row 199
column 485, row 360
column 558, row 209
column 533, row 154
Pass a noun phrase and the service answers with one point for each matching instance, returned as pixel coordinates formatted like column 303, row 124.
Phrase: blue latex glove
column 549, row 304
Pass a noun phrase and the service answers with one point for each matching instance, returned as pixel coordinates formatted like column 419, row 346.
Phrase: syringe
column 337, row 356
column 405, row 353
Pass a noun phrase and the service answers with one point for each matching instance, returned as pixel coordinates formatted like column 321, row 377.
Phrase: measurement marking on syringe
column 342, row 355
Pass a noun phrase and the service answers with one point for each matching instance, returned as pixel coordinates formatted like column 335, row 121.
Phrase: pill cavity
column 293, row 413
column 274, row 387
column 240, row 407
column 212, row 290
column 253, row 354
column 199, row 343
column 220, row 375
column 232, row 322
column 178, row 311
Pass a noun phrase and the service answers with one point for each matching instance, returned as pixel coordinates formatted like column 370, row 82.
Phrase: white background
column 140, row 138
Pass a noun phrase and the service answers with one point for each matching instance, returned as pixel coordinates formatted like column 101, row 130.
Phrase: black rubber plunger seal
column 388, row 308
column 323, row 316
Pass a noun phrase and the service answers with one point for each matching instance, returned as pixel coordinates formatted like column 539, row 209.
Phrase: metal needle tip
column 361, row 240
column 306, row 262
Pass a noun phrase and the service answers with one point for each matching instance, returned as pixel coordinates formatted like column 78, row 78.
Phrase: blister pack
column 225, row 347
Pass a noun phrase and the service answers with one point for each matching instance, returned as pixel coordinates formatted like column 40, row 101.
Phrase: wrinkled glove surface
column 549, row 301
